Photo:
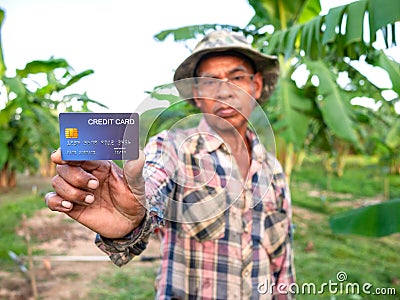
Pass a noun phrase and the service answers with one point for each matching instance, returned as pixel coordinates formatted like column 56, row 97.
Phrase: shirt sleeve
column 123, row 250
column 158, row 188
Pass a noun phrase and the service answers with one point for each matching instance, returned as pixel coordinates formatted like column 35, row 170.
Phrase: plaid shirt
column 222, row 237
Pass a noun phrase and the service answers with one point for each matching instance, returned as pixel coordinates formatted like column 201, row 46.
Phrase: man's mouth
column 226, row 112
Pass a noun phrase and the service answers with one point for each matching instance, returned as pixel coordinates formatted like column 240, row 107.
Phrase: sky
column 114, row 38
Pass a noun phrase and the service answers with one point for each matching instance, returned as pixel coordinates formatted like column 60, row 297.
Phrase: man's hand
column 97, row 194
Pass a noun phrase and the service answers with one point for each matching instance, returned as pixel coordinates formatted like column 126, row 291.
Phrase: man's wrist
column 131, row 236
column 139, row 219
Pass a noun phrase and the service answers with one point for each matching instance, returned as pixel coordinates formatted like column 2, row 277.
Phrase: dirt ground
column 59, row 236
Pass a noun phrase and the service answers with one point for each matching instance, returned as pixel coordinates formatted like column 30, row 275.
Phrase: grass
column 13, row 205
column 125, row 283
column 359, row 179
column 364, row 260
column 11, row 213
column 319, row 254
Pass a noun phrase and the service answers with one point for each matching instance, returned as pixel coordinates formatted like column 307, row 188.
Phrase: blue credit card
column 99, row 136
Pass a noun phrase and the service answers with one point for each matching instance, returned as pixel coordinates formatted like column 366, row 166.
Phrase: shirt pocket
column 203, row 213
column 274, row 224
column 275, row 235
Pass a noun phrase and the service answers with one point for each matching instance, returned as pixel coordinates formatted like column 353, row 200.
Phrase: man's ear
column 258, row 85
column 195, row 97
column 197, row 102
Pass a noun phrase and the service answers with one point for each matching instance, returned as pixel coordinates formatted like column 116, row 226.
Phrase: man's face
column 230, row 103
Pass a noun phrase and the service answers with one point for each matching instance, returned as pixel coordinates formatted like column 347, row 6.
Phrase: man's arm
column 157, row 189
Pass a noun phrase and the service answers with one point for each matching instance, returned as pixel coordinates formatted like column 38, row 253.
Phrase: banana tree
column 389, row 121
column 337, row 45
column 28, row 120
column 327, row 46
column 317, row 114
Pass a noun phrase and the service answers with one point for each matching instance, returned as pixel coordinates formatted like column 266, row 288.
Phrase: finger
column 70, row 193
column 77, row 177
column 56, row 157
column 133, row 172
column 57, row 203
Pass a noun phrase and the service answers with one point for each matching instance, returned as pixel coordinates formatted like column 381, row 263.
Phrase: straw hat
column 231, row 42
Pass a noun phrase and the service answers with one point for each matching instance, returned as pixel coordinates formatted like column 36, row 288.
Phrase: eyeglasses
column 209, row 85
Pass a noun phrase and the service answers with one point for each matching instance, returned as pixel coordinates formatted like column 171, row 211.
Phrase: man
column 219, row 198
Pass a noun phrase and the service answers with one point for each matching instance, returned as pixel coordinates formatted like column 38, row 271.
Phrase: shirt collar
column 208, row 140
column 258, row 151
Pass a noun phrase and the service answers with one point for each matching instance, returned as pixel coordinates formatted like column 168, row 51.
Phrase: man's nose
column 224, row 89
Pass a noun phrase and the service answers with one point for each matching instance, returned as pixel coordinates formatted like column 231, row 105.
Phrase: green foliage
column 392, row 67
column 155, row 120
column 326, row 45
column 28, row 120
column 319, row 117
column 383, row 14
column 40, row 66
column 333, row 103
column 190, row 32
column 2, row 65
column 364, row 177
column 340, row 29
column 283, row 14
column 359, row 181
column 374, row 220
column 321, row 254
column 290, row 112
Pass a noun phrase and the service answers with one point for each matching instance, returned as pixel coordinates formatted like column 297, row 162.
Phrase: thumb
column 133, row 172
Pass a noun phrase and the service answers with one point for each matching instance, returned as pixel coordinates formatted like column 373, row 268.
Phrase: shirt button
column 246, row 273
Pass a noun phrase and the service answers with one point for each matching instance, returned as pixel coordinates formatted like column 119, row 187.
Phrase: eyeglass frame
column 229, row 79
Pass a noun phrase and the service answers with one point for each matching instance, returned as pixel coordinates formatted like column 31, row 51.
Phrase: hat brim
column 267, row 65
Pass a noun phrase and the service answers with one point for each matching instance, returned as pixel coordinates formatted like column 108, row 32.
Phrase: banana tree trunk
column 4, row 176
column 12, row 179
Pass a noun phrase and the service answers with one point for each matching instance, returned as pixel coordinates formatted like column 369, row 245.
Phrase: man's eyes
column 237, row 78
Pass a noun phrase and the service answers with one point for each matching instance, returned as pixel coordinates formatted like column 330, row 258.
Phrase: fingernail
column 92, row 184
column 89, row 199
column 66, row 204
